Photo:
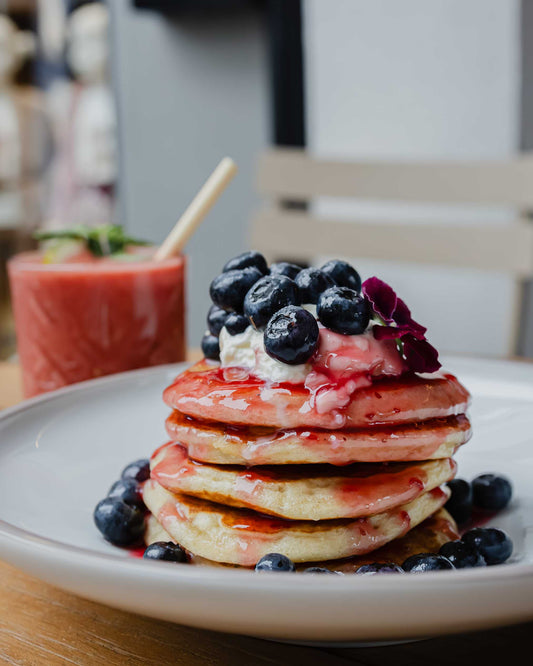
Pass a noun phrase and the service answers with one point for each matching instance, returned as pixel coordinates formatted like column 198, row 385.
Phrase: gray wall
column 418, row 80
column 189, row 91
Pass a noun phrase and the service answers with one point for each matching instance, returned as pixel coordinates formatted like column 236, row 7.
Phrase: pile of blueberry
column 487, row 492
column 120, row 516
column 248, row 292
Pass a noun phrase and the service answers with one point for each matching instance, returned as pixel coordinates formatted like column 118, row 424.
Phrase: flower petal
column 382, row 297
column 389, row 332
column 420, row 355
column 402, row 316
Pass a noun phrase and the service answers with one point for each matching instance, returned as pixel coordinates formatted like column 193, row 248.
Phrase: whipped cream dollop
column 342, row 364
column 247, row 350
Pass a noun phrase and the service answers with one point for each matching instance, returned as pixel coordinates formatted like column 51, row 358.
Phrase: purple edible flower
column 382, row 298
column 419, row 354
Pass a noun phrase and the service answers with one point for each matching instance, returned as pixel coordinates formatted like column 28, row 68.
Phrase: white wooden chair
column 288, row 175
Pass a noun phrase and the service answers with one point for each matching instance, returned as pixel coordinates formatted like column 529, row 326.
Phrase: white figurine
column 86, row 165
column 24, row 133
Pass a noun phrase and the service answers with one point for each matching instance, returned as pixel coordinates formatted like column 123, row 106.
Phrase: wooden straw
column 197, row 209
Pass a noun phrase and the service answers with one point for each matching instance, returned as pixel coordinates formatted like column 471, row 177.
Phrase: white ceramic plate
column 60, row 453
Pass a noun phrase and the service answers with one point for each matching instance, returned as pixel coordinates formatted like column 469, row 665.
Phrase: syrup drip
column 136, row 552
column 479, row 518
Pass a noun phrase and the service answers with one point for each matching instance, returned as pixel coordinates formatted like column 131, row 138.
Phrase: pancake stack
column 253, row 467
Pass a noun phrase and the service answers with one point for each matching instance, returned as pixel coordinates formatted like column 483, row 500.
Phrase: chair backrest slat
column 283, row 230
column 291, row 174
column 278, row 232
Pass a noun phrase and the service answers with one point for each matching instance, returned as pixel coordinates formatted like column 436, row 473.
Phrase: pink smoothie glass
column 87, row 316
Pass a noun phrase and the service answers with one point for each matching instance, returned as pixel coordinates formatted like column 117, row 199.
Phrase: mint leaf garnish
column 102, row 241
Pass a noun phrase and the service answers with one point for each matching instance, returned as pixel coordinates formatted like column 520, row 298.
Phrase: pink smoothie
column 89, row 317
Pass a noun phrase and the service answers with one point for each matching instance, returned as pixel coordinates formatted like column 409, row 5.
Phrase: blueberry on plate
column 426, row 562
column 342, row 274
column 343, row 310
column 321, row 570
column 291, row 335
column 267, row 296
column 275, row 562
column 216, row 318
column 211, row 347
column 121, row 524
column 247, row 260
column 462, row 555
column 139, row 470
column 127, row 490
column 285, row 268
column 491, row 492
column 493, row 544
column 460, row 503
column 379, row 568
column 229, row 289
column 236, row 323
column 311, row 282
column 165, row 550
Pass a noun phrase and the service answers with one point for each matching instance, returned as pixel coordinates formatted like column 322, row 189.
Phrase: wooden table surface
column 40, row 624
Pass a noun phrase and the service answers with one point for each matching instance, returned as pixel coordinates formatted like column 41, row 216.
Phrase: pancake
column 205, row 391
column 427, row 537
column 240, row 445
column 301, row 493
column 242, row 537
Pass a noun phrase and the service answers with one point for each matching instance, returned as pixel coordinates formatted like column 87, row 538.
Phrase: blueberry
column 229, row 289
column 120, row 523
column 291, row 335
column 342, row 274
column 274, row 562
column 460, row 503
column 426, row 562
column 312, row 282
column 462, row 555
column 211, row 347
column 285, row 268
column 493, row 544
column 267, row 296
column 127, row 490
column 236, row 323
column 138, row 470
column 165, row 550
column 343, row 310
column 379, row 568
column 247, row 260
column 216, row 318
column 320, row 570
column 491, row 492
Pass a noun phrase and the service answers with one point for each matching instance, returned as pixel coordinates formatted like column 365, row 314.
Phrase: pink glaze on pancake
column 263, row 446
column 352, row 491
column 232, row 396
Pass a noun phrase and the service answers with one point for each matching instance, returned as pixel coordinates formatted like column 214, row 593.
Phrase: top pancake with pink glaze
column 350, row 381
column 232, row 395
